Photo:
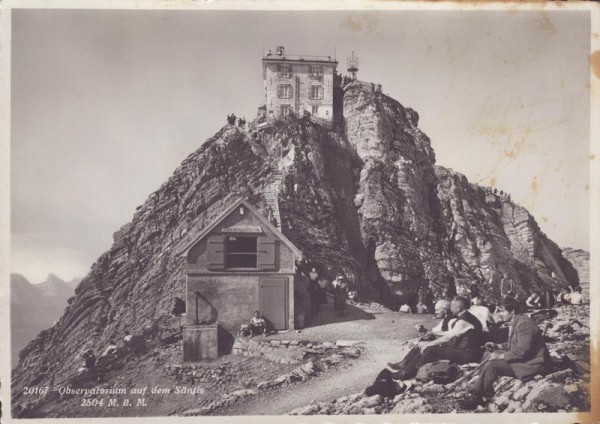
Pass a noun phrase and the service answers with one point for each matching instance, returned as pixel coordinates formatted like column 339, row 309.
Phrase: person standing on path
column 339, row 295
column 314, row 291
column 323, row 285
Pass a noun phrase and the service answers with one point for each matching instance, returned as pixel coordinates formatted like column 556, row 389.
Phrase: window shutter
column 215, row 253
column 279, row 89
column 266, row 253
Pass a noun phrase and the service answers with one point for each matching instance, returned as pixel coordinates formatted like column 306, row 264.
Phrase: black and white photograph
column 242, row 211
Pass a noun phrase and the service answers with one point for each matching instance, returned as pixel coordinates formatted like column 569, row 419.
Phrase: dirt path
column 381, row 336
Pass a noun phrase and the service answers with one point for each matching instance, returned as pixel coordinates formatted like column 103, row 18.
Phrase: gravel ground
column 380, row 335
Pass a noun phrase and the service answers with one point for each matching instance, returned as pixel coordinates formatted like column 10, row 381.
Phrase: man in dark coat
column 461, row 344
column 524, row 355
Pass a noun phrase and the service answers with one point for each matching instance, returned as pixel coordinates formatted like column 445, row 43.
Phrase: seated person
column 534, row 301
column 442, row 311
column 563, row 297
column 576, row 296
column 257, row 324
column 481, row 312
column 461, row 344
column 422, row 308
column 405, row 309
column 524, row 355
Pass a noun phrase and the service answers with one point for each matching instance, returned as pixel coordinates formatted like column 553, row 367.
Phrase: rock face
column 34, row 308
column 366, row 200
column 581, row 261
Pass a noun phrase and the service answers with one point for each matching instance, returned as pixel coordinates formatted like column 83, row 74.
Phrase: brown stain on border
column 534, row 185
column 594, row 415
column 547, row 24
column 592, row 156
column 365, row 21
column 595, row 63
column 351, row 24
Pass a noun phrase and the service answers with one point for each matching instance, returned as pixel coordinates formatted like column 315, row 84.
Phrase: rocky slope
column 366, row 200
column 34, row 308
column 565, row 388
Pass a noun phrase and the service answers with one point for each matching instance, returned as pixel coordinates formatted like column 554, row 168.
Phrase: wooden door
column 273, row 301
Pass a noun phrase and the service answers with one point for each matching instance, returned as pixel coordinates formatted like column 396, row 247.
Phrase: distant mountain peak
column 53, row 278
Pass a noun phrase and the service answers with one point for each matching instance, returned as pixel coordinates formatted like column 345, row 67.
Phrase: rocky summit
column 365, row 198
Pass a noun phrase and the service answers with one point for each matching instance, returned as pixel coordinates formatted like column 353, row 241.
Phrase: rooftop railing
column 300, row 58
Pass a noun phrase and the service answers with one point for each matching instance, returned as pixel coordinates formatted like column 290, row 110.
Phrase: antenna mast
column 353, row 65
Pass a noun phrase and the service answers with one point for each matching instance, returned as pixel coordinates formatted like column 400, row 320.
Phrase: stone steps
column 271, row 194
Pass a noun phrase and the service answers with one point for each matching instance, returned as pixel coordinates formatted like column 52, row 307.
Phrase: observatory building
column 298, row 84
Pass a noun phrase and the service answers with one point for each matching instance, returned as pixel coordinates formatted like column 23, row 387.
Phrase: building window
column 316, row 92
column 285, row 110
column 315, row 70
column 285, row 71
column 241, row 252
column 315, row 110
column 285, row 91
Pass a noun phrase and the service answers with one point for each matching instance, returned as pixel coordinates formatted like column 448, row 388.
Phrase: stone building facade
column 295, row 85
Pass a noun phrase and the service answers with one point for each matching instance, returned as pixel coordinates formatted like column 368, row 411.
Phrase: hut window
column 240, row 252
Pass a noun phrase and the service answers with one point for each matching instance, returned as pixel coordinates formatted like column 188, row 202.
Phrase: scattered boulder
column 415, row 405
column 305, row 410
column 552, row 399
column 369, row 402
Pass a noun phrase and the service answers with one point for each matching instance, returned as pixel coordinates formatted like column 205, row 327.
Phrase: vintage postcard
column 300, row 212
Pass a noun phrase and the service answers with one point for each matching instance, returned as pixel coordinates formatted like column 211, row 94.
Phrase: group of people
column 318, row 286
column 469, row 331
column 460, row 337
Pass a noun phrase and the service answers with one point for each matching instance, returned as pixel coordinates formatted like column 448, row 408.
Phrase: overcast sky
column 106, row 104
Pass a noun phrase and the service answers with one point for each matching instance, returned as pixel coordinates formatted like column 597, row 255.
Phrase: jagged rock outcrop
column 486, row 234
column 580, row 259
column 366, row 200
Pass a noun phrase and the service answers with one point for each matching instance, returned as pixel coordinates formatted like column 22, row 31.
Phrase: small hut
column 238, row 264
